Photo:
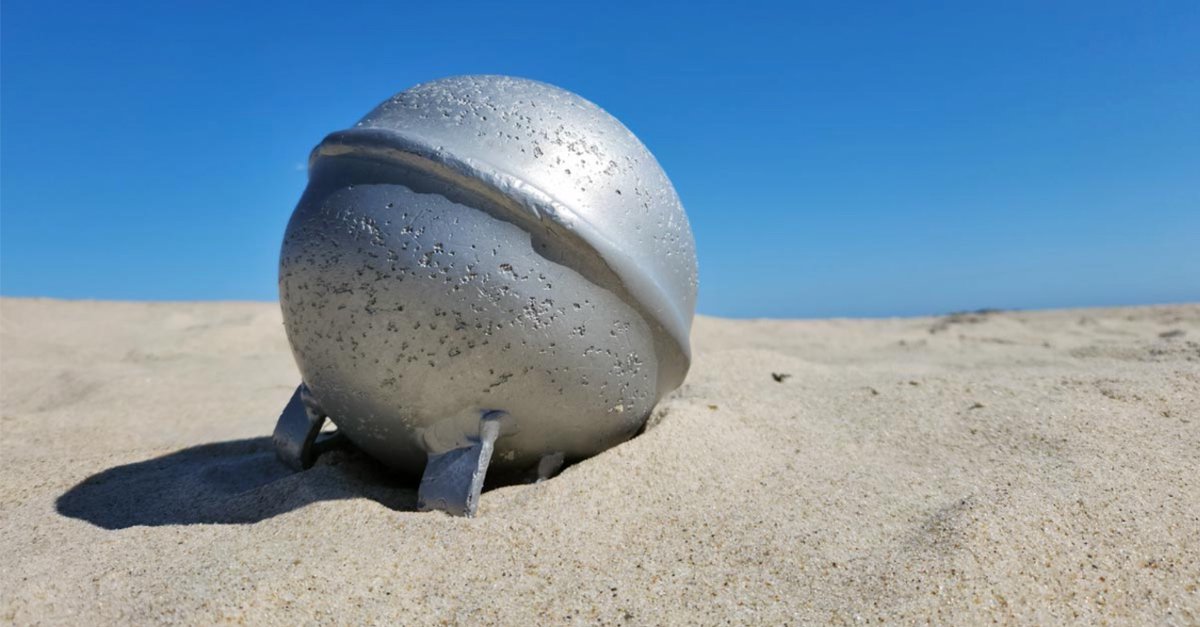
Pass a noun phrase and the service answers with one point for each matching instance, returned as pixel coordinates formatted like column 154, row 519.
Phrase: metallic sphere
column 484, row 272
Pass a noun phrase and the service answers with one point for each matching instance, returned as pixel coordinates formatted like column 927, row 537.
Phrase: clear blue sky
column 836, row 159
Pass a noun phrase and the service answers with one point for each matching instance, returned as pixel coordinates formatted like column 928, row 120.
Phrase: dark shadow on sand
column 234, row 482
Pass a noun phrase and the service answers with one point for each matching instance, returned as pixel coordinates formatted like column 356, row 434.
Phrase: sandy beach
column 1023, row 467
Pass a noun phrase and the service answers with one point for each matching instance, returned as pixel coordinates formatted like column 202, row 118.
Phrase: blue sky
column 836, row 159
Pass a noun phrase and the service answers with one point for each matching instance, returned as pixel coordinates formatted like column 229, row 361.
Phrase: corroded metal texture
column 486, row 245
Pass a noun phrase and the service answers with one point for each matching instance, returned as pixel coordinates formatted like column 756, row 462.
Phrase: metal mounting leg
column 453, row 480
column 298, row 438
column 548, row 466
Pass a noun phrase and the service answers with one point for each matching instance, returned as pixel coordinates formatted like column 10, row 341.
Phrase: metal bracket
column 298, row 438
column 548, row 466
column 453, row 480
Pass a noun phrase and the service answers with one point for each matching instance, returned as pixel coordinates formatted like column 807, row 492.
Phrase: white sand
column 1031, row 467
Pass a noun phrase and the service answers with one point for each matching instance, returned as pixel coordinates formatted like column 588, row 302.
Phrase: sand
column 1036, row 468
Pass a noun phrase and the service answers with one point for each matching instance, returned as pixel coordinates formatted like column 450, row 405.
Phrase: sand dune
column 1038, row 468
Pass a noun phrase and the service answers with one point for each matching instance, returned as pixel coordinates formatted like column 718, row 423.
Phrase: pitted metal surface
column 484, row 246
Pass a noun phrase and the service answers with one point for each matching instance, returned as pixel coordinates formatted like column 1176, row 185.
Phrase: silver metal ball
column 487, row 253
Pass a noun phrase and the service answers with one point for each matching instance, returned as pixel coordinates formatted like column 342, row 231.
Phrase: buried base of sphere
column 452, row 480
